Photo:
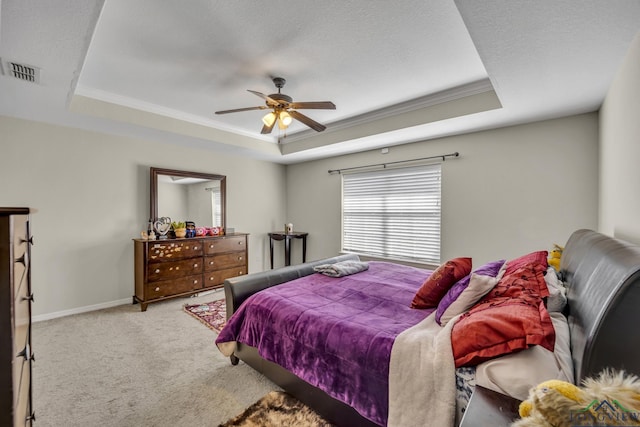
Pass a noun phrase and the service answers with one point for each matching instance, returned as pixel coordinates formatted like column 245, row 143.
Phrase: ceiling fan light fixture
column 285, row 118
column 269, row 119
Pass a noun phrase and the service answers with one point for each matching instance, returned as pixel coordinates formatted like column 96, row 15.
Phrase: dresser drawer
column 220, row 262
column 20, row 284
column 159, row 250
column 20, row 237
column 174, row 269
column 22, row 320
column 172, row 287
column 22, row 396
column 21, row 372
column 225, row 244
column 214, row 278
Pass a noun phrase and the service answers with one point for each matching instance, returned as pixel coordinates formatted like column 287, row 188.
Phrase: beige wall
column 91, row 193
column 512, row 190
column 620, row 151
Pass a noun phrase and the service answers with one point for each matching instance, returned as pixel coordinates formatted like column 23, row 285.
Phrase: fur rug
column 278, row 409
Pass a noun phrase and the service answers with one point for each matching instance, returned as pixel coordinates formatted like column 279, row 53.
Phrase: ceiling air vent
column 27, row 73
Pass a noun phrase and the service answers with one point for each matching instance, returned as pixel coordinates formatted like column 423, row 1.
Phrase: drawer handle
column 195, row 248
column 26, row 353
column 240, row 242
column 157, row 288
column 210, row 262
column 28, row 298
column 157, row 270
column 195, row 265
column 239, row 258
column 29, row 240
column 211, row 245
column 195, row 281
column 177, row 267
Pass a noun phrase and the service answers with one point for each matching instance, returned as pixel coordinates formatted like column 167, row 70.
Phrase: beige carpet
column 122, row 367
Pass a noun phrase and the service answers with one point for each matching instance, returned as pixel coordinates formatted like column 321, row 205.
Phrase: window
column 393, row 213
column 216, row 200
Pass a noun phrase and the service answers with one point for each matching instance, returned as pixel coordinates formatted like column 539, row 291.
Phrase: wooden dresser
column 15, row 318
column 178, row 267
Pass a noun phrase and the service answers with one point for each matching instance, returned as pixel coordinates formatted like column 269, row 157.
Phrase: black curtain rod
column 384, row 165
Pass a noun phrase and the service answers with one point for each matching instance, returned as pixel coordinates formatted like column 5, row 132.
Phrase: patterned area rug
column 213, row 314
column 278, row 409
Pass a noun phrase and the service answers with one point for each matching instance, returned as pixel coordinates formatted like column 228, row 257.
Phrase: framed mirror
column 188, row 196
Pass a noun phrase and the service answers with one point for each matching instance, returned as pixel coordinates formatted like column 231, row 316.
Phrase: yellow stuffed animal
column 554, row 256
column 612, row 399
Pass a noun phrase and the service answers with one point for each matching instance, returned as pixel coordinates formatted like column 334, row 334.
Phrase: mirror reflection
column 188, row 196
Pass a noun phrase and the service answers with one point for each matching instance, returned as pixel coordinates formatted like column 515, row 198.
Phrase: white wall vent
column 27, row 73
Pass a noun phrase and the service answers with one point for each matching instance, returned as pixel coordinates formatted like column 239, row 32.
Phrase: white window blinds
column 393, row 213
column 216, row 200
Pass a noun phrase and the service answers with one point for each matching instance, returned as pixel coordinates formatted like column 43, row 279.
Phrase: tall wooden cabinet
column 16, row 354
column 178, row 267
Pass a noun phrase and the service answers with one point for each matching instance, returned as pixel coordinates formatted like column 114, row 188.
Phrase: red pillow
column 527, row 279
column 440, row 281
column 511, row 317
column 538, row 258
column 502, row 327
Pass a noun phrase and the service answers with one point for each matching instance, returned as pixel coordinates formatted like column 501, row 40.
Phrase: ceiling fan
column 284, row 109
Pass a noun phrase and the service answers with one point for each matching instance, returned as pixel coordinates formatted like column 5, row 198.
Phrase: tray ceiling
column 398, row 72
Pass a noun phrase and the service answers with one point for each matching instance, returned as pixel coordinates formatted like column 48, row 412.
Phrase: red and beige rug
column 213, row 314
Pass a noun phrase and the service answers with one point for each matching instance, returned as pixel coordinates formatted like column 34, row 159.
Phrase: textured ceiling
column 397, row 71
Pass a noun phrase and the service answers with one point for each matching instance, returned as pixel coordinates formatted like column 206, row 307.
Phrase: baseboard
column 55, row 315
column 212, row 291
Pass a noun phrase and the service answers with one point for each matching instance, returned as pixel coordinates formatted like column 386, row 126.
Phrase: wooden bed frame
column 602, row 275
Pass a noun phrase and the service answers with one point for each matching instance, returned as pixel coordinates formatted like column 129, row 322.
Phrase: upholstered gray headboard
column 603, row 279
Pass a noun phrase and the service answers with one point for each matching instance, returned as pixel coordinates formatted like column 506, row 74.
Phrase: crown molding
column 148, row 107
column 430, row 100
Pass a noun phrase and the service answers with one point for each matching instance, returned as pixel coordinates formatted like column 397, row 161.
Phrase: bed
column 600, row 276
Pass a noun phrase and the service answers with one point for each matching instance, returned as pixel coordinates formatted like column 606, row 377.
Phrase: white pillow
column 479, row 286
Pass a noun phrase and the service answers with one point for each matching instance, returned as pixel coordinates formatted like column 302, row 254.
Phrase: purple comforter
column 334, row 333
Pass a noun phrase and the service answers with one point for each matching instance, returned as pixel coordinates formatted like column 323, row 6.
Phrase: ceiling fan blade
column 307, row 121
column 269, row 100
column 267, row 129
column 320, row 105
column 237, row 110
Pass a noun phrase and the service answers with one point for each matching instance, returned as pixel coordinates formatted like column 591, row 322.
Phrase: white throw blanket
column 342, row 268
column 422, row 383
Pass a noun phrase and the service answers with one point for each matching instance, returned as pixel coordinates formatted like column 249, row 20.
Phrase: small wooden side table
column 280, row 235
